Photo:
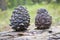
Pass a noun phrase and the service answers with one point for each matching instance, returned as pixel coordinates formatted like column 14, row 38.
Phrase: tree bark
column 3, row 5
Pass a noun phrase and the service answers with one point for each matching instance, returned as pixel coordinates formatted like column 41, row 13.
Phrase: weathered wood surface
column 28, row 35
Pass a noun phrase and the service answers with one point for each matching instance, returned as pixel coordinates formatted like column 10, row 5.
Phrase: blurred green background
column 7, row 6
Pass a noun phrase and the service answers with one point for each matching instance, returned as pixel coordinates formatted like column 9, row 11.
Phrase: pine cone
column 20, row 19
column 43, row 20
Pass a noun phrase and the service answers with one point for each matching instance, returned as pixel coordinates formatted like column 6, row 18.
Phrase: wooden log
column 28, row 35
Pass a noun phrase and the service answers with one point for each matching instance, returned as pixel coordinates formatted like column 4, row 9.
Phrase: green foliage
column 58, row 1
column 14, row 3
